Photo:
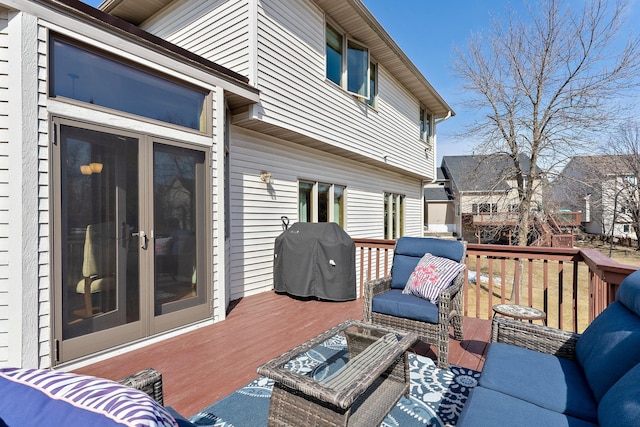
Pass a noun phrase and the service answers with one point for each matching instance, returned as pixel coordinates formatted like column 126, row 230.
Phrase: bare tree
column 624, row 149
column 545, row 83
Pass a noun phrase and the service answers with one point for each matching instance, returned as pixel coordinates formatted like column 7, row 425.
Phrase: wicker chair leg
column 443, row 346
column 457, row 327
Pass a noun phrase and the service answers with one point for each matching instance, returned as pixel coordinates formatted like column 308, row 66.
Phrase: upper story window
column 85, row 75
column 347, row 63
column 373, row 84
column 425, row 125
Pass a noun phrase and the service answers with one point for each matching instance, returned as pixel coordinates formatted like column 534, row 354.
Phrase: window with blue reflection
column 334, row 56
column 87, row 76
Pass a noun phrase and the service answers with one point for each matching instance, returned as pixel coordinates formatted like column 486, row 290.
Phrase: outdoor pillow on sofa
column 431, row 275
column 36, row 397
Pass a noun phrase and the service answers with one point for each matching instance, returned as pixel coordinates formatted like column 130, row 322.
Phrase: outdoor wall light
column 91, row 168
column 266, row 177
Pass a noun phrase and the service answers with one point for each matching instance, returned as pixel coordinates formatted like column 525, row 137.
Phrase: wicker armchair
column 448, row 310
column 149, row 381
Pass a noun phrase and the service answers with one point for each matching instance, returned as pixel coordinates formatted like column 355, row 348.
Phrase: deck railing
column 571, row 285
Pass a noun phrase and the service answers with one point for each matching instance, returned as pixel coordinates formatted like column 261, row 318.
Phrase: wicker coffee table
column 360, row 393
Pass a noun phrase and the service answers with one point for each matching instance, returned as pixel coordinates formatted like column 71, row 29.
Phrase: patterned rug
column 437, row 395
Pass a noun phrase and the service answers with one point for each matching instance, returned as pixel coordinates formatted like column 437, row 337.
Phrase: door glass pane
column 99, row 211
column 323, row 202
column 178, row 186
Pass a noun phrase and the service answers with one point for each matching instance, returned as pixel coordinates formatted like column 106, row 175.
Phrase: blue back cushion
column 409, row 250
column 620, row 406
column 608, row 348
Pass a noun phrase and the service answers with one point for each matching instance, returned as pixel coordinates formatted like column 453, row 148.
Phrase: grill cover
column 315, row 260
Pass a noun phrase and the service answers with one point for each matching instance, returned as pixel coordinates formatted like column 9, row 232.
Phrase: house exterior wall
column 440, row 217
column 284, row 56
column 256, row 207
column 26, row 208
column 220, row 30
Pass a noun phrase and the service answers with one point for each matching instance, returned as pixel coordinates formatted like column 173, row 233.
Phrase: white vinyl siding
column 5, row 188
column 285, row 51
column 256, row 207
column 217, row 30
column 295, row 95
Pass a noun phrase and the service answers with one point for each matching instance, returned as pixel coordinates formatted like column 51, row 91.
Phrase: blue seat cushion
column 395, row 303
column 409, row 250
column 620, row 406
column 608, row 348
column 489, row 408
column 545, row 380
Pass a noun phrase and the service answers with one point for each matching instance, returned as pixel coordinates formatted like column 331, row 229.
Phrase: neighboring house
column 598, row 187
column 485, row 192
column 439, row 206
column 146, row 164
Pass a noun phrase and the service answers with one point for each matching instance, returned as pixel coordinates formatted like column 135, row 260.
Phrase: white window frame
column 426, row 125
column 344, row 80
column 331, row 202
column 394, row 229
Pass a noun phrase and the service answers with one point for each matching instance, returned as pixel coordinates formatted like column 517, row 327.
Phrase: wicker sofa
column 539, row 376
column 385, row 304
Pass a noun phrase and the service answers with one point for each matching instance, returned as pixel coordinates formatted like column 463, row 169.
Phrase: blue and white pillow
column 432, row 275
column 37, row 397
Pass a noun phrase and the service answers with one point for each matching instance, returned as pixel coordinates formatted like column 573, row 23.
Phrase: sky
column 428, row 31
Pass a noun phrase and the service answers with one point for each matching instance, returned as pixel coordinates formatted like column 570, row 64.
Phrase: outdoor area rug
column 437, row 395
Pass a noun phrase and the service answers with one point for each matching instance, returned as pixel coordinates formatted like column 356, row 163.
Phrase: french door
column 130, row 237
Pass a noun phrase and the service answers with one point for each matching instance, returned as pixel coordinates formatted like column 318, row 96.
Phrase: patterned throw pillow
column 431, row 275
column 39, row 397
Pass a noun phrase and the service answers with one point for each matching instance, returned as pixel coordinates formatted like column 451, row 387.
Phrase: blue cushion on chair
column 620, row 406
column 547, row 381
column 395, row 303
column 608, row 348
column 489, row 408
column 409, row 251
column 629, row 292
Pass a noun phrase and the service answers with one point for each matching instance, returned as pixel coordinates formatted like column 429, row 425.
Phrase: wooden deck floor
column 202, row 366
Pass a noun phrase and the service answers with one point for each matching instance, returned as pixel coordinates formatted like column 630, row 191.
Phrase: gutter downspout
column 435, row 142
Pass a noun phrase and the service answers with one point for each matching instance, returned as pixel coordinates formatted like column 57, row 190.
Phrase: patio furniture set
column 533, row 375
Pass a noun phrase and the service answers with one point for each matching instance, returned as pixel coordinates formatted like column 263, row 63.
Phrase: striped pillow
column 432, row 275
column 39, row 397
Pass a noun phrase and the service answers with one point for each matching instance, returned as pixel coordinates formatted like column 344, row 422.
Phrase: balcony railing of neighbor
column 571, row 285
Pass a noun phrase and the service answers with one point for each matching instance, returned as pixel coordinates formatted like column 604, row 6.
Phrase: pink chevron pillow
column 432, row 275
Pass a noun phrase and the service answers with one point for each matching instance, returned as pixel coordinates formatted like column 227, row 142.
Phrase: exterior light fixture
column 91, row 168
column 266, row 177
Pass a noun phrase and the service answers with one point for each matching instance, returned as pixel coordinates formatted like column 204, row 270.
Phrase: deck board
column 202, row 366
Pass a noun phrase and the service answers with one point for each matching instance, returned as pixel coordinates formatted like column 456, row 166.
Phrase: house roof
column 353, row 17
column 601, row 165
column 437, row 194
column 169, row 49
column 486, row 173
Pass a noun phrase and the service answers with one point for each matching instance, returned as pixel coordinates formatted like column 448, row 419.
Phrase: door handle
column 143, row 239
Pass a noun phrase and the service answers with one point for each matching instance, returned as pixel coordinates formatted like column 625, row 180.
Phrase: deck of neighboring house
column 202, row 366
